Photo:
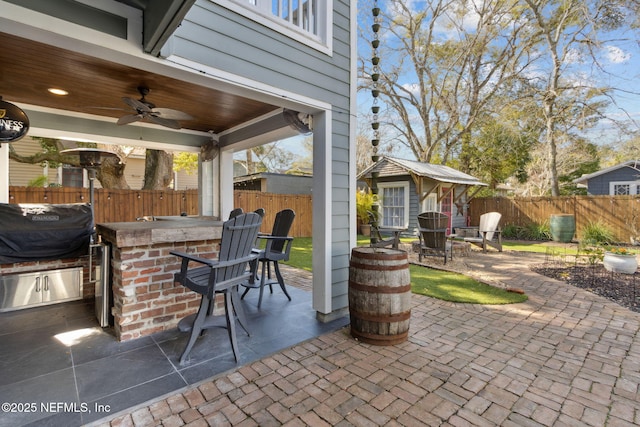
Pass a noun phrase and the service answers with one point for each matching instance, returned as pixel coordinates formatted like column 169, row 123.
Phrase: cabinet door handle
column 37, row 284
column 46, row 283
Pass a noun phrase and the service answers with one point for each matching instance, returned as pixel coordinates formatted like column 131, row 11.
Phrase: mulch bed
column 623, row 289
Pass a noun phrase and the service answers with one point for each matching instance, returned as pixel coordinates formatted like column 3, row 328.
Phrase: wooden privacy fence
column 128, row 205
column 620, row 214
column 273, row 203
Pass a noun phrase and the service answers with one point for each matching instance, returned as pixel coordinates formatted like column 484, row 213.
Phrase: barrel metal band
column 379, row 267
column 376, row 339
column 382, row 256
column 380, row 318
column 380, row 289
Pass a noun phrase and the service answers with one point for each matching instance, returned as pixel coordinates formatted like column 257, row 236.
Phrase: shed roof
column 390, row 166
column 633, row 164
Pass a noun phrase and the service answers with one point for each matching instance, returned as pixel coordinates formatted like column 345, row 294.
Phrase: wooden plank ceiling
column 97, row 86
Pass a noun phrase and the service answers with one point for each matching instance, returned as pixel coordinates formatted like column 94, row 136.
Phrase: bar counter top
column 163, row 230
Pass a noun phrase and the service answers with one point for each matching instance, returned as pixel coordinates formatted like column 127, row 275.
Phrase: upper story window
column 307, row 21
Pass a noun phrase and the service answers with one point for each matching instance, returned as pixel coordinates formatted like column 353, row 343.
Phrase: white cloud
column 413, row 88
column 615, row 55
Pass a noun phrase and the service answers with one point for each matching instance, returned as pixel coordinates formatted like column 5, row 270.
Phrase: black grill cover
column 36, row 232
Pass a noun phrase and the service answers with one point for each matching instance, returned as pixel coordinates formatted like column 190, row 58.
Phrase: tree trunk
column 158, row 170
column 111, row 174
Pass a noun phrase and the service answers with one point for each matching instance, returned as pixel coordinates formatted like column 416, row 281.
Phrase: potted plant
column 364, row 202
column 620, row 260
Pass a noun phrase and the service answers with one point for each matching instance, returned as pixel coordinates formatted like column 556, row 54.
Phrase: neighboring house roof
column 278, row 183
column 440, row 173
column 633, row 164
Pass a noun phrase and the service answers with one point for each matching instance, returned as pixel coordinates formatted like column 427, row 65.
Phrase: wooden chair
column 432, row 233
column 277, row 248
column 376, row 232
column 488, row 229
column 220, row 276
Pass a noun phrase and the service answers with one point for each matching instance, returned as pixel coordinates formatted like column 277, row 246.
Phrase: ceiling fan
column 147, row 110
column 298, row 121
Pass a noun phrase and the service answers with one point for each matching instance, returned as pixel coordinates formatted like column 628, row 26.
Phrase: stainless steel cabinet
column 39, row 288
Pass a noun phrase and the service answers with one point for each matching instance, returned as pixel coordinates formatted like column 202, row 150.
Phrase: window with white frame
column 394, row 200
column 311, row 19
column 430, row 203
column 626, row 188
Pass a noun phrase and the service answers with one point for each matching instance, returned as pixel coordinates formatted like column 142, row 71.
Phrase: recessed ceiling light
column 57, row 91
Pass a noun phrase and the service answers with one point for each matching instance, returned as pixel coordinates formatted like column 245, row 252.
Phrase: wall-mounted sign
column 14, row 123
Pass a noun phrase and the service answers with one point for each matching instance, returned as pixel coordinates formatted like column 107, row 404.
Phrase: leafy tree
column 442, row 65
column 451, row 70
column 498, row 152
column 187, row 162
column 304, row 164
column 268, row 157
column 110, row 174
column 571, row 32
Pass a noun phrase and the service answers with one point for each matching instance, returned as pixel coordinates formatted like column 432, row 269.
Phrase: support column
column 322, row 213
column 226, row 183
column 209, row 184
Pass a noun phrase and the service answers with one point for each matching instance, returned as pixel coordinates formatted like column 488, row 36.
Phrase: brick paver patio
column 565, row 357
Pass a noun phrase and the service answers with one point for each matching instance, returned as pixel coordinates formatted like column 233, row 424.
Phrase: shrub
column 594, row 254
column 536, row 231
column 531, row 231
column 512, row 231
column 364, row 202
column 597, row 233
column 40, row 181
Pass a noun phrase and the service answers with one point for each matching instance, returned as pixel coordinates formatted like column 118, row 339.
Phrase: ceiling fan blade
column 130, row 118
column 137, row 105
column 164, row 122
column 168, row 113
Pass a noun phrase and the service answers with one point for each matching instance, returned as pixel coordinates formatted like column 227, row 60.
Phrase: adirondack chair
column 220, row 276
column 383, row 242
column 432, row 233
column 488, row 229
column 277, row 248
column 235, row 212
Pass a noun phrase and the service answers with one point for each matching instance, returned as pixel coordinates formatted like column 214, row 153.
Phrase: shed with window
column 407, row 188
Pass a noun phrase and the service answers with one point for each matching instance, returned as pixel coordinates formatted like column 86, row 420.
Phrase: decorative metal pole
column 375, row 109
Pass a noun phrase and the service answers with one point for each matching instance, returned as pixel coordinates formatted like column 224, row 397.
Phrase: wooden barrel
column 562, row 227
column 379, row 295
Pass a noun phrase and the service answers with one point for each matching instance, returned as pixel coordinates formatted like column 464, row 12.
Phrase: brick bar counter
column 145, row 298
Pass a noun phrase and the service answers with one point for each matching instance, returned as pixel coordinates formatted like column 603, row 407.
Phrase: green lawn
column 539, row 247
column 431, row 282
column 301, row 249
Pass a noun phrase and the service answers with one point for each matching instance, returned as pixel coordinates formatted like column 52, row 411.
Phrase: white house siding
column 218, row 38
column 20, row 174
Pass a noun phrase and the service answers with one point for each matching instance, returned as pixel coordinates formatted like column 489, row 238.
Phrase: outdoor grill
column 38, row 232
column 34, row 234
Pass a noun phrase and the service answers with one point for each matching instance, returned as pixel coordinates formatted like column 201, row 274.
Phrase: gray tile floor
column 59, row 368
